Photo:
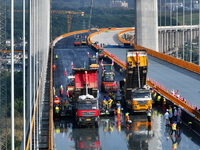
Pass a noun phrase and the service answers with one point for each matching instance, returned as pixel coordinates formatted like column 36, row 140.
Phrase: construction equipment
column 69, row 13
column 137, row 98
column 93, row 63
column 91, row 5
column 101, row 53
column 108, row 82
column 86, row 103
column 69, row 18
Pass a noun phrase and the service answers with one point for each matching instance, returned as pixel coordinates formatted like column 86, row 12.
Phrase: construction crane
column 91, row 5
column 69, row 13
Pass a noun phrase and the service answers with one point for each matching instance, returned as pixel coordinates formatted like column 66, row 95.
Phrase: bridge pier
column 146, row 14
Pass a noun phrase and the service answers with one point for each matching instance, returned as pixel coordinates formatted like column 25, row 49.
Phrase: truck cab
column 87, row 110
column 77, row 42
column 100, row 53
column 108, row 68
column 141, row 100
column 108, row 82
column 93, row 63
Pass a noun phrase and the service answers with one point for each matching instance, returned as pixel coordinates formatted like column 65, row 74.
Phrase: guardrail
column 35, row 109
column 51, row 103
column 175, row 100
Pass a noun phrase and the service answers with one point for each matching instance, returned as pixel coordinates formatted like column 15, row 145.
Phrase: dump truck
column 86, row 103
column 137, row 98
column 93, row 63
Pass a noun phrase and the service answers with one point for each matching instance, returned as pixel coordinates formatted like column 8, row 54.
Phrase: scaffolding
column 3, row 78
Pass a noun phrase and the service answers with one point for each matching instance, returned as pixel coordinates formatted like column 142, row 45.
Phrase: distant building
column 114, row 3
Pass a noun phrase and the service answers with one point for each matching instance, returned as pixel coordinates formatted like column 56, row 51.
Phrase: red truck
column 108, row 82
column 86, row 103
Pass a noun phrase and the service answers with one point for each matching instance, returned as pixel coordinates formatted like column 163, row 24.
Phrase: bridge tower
column 146, row 26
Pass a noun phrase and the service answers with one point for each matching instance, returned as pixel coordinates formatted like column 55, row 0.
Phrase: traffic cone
column 65, row 72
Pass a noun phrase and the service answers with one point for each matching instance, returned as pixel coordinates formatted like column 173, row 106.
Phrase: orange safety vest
column 173, row 126
column 54, row 67
column 127, row 117
column 104, row 102
column 118, row 110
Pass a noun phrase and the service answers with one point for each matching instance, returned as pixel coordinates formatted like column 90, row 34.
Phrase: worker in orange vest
column 54, row 67
column 56, row 100
column 118, row 111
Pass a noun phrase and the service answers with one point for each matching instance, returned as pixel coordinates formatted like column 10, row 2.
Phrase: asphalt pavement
column 111, row 133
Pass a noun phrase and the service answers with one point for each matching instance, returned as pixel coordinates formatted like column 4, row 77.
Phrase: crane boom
column 91, row 5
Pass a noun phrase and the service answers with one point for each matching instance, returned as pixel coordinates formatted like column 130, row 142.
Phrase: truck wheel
column 102, row 89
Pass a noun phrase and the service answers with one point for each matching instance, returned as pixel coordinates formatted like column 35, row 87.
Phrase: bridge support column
column 146, row 14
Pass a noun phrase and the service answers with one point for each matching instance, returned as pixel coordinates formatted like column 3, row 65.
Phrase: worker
column 178, row 121
column 166, row 117
column 65, row 104
column 57, row 109
column 164, row 103
column 127, row 117
column 149, row 115
column 175, row 114
column 110, row 93
column 120, row 70
column 170, row 114
column 54, row 67
column 56, row 100
column 154, row 95
column 179, row 111
column 105, row 103
column 113, row 95
column 54, row 91
column 56, row 57
column 118, row 111
column 61, row 90
column 174, row 128
column 110, row 102
column 190, row 125
column 158, row 100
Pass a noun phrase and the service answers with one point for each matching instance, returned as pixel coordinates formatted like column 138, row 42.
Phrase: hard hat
column 167, row 110
column 109, row 98
column 175, row 122
column 127, row 112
